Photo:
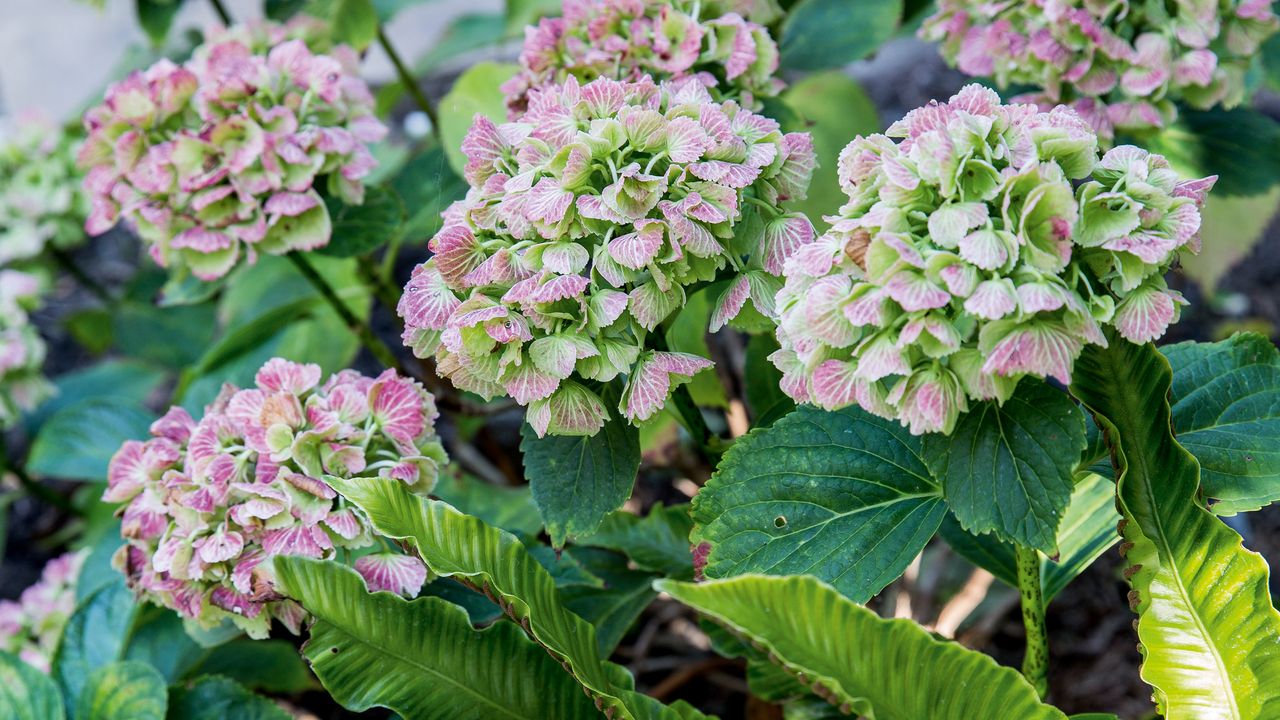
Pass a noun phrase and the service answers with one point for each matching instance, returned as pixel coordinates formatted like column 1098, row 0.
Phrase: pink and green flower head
column 721, row 43
column 987, row 243
column 22, row 350
column 587, row 225
column 227, row 156
column 208, row 503
column 42, row 203
column 1121, row 65
column 31, row 626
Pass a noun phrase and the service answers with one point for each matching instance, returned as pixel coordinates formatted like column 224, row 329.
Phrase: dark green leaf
column 91, row 328
column 220, row 698
column 77, row 442
column 427, row 185
column 613, row 607
column 480, row 609
column 844, row 496
column 173, row 337
column 360, row 229
column 97, row 571
column 576, row 481
column 509, row 508
column 1226, row 411
column 123, row 691
column 355, row 22
column 94, row 637
column 272, row 666
column 380, row 650
column 156, row 17
column 820, row 34
column 765, row 400
column 658, row 542
column 122, row 381
column 464, row 34
column 161, row 641
column 183, row 288
column 26, row 693
column 1009, row 469
column 388, row 9
column 1240, row 146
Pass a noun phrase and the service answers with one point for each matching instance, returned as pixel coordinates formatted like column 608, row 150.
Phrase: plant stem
column 221, row 10
column 1035, row 664
column 386, row 293
column 357, row 326
column 409, row 83
column 32, row 487
column 69, row 264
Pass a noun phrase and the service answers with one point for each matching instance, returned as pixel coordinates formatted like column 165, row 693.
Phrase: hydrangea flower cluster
column 715, row 41
column 22, row 350
column 220, row 158
column 1119, row 64
column 43, row 203
column 209, row 503
column 31, row 627
column 967, row 257
column 586, row 225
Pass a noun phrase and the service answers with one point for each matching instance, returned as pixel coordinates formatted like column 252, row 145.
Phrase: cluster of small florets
column 31, row 626
column 967, row 258
column 209, row 503
column 42, row 203
column 220, row 158
column 585, row 227
column 22, row 350
column 1121, row 65
column 719, row 42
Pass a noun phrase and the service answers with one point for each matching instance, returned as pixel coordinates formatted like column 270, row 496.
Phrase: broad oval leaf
column 26, row 693
column 577, row 480
column 474, row 92
column 422, row 659
column 1008, row 468
column 464, row 547
column 77, row 442
column 220, row 698
column 1241, row 146
column 128, row 690
column 1226, row 411
column 864, row 664
column 844, row 496
column 363, row 228
column 121, row 381
column 1088, row 529
column 658, row 542
column 821, row 34
column 272, row 666
column 1209, row 633
column 95, row 636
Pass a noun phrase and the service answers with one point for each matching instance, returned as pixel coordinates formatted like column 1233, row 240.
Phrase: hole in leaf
column 780, row 521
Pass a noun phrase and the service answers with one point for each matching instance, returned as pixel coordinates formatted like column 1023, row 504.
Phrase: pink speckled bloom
column 219, row 159
column 587, row 223
column 42, row 202
column 722, row 43
column 32, row 626
column 990, row 243
column 207, row 504
column 1121, row 65
column 22, row 350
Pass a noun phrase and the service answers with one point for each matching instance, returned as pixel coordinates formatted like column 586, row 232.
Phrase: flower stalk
column 409, row 83
column 1035, row 664
column 357, row 326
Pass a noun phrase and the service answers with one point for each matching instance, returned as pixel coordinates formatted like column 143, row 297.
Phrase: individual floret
column 1121, row 65
column 587, row 225
column 220, row 158
column 31, row 626
column 22, row 350
column 42, row 203
column 719, row 42
column 989, row 244
column 208, row 504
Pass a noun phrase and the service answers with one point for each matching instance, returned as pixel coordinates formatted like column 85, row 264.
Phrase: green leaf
column 183, row 288
column 121, row 381
column 94, row 637
column 354, row 22
column 465, row 34
column 361, row 229
column 27, row 693
column 475, row 91
column 658, row 542
column 220, row 698
column 577, row 480
column 527, row 12
column 844, row 496
column 835, row 110
column 388, row 9
column 1230, row 227
column 614, row 606
column 1226, row 411
column 1209, row 633
column 688, row 333
column 866, row 665
column 821, row 34
column 764, row 398
column 379, row 650
column 427, row 185
column 77, row 442
column 509, row 508
column 90, row 328
column 1088, row 529
column 173, row 337
column 463, row 547
column 1008, row 468
column 156, row 17
column 123, row 691
column 272, row 666
column 161, row 642
column 1240, row 146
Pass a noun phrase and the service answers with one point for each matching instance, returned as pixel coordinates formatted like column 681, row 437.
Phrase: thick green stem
column 221, row 10
column 69, row 264
column 357, row 326
column 409, row 83
column 1035, row 664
